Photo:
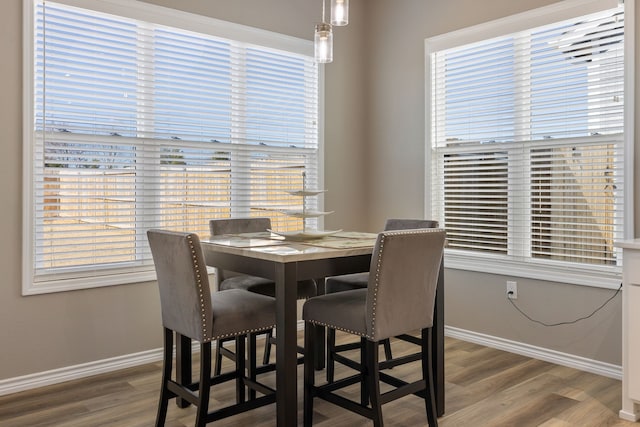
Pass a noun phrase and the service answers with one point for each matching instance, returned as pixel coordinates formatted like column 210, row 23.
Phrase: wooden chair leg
column 220, row 353
column 427, row 375
column 331, row 350
column 387, row 349
column 205, row 384
column 183, row 365
column 364, row 382
column 217, row 368
column 309, row 373
column 240, row 368
column 167, row 362
column 267, row 348
column 373, row 379
column 251, row 368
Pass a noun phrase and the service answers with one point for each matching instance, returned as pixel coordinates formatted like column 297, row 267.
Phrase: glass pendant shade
column 339, row 12
column 323, row 43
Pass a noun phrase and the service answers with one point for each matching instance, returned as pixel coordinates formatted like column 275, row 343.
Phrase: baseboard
column 564, row 359
column 55, row 376
column 628, row 416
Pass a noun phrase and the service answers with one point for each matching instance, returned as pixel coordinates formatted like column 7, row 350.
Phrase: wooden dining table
column 286, row 262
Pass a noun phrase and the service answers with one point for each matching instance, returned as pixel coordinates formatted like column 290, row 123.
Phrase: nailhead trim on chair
column 375, row 294
column 375, row 287
column 202, row 307
column 338, row 328
column 203, row 312
column 245, row 332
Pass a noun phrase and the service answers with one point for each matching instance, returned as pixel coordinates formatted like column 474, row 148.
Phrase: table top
column 271, row 247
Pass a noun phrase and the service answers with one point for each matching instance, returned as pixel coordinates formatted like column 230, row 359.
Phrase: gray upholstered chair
column 349, row 282
column 399, row 298
column 190, row 310
column 231, row 280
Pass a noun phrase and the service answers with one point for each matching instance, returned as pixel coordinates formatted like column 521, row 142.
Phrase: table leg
column 286, row 345
column 183, row 365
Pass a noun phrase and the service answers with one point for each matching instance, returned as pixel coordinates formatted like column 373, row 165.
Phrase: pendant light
column 323, row 40
column 339, row 12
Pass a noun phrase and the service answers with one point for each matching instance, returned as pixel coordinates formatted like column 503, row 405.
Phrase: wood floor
column 485, row 387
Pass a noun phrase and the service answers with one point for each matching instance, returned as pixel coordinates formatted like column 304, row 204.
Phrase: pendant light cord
column 324, row 3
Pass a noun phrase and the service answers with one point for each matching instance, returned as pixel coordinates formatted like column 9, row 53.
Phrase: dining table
column 286, row 262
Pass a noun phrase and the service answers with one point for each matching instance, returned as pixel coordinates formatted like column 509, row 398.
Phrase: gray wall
column 374, row 151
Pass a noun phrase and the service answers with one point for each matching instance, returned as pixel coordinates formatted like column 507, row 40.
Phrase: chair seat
column 343, row 311
column 260, row 285
column 242, row 311
column 346, row 282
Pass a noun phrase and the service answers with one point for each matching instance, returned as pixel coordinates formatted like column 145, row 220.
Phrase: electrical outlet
column 512, row 289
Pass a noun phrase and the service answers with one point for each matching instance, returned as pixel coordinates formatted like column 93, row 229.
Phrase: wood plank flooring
column 485, row 387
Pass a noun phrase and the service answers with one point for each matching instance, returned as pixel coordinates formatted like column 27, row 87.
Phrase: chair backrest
column 185, row 297
column 406, row 224
column 402, row 282
column 233, row 226
column 238, row 225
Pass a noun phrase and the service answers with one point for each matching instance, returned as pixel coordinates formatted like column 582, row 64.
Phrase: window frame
column 156, row 15
column 598, row 276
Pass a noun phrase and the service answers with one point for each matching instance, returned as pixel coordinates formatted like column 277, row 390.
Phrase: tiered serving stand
column 306, row 233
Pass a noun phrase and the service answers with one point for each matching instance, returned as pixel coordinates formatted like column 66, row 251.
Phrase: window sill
column 115, row 279
column 596, row 276
column 73, row 284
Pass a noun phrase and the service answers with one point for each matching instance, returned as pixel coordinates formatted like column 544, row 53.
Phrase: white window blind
column 527, row 143
column 139, row 125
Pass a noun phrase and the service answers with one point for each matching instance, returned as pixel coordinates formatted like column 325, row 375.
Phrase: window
column 527, row 144
column 143, row 117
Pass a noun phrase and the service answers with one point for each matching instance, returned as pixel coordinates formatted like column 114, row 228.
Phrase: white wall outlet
column 512, row 289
